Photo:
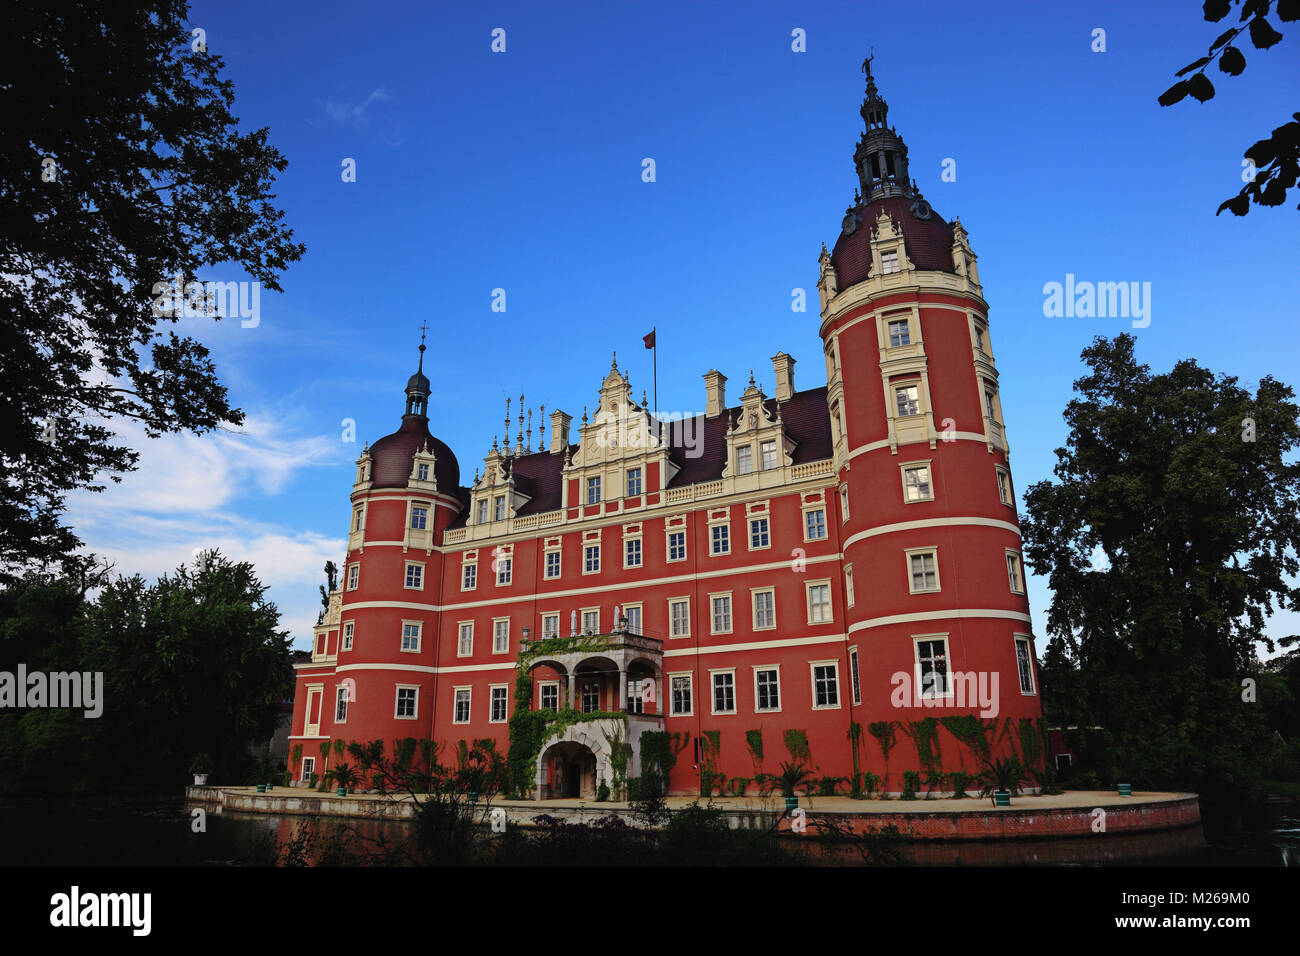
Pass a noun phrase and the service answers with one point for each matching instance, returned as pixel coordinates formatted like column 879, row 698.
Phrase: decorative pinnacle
column 614, row 364
column 423, row 329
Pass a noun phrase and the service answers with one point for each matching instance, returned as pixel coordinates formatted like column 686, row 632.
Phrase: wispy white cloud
column 354, row 114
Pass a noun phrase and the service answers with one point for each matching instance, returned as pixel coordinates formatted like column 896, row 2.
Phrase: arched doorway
column 570, row 771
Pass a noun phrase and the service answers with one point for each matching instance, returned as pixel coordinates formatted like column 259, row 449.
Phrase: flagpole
column 659, row 428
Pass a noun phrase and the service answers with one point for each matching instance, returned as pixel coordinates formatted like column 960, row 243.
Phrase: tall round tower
column 934, row 580
column 407, row 491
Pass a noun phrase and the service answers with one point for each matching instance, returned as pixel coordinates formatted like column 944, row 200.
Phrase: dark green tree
column 1168, row 536
column 1276, row 160
column 121, row 168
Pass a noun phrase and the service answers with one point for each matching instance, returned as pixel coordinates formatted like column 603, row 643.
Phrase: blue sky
column 522, row 171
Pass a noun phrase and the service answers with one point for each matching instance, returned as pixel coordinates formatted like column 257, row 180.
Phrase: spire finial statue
column 423, row 329
column 528, row 446
column 614, row 364
column 505, row 445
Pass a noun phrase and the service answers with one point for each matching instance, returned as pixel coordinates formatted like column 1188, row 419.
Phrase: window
column 989, row 403
column 421, row 472
column 632, row 553
column 769, row 455
column 500, row 695
column 505, row 570
column 844, row 503
column 916, row 483
column 415, row 576
column 552, row 564
column 633, row 615
column 1025, row 664
column 357, row 515
column 815, row 524
column 410, row 637
column 908, row 398
column 767, row 689
column 848, row 586
column 501, row 636
column 722, row 614
column 979, row 337
column 308, row 767
column 1004, row 486
column 676, row 545
column 469, row 577
column 764, row 609
column 899, row 333
column 348, row 629
column 591, row 621
column 826, row 685
column 744, row 459
column 550, row 696
column 465, row 644
column 500, row 507
column 633, row 482
column 591, row 559
column 354, row 576
column 724, row 692
column 720, row 535
column 923, row 566
column 419, row 517
column 482, row 512
column 819, row 603
column 758, row 534
column 406, row 701
column 888, row 262
column 461, row 713
column 636, row 691
column 680, row 688
column 550, row 625
column 341, row 705
column 679, row 616
column 1014, row 576
column 593, row 490
column 932, row 667
column 853, row 676
column 590, row 697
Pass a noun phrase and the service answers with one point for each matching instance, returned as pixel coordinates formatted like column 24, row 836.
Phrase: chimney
column 715, row 386
column 559, row 431
column 783, row 365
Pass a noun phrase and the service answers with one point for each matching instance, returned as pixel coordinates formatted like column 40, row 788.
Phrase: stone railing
column 693, row 492
column 811, row 469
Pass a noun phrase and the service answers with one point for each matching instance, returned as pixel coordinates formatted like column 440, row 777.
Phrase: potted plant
column 1000, row 778
column 344, row 778
column 201, row 766
column 792, row 775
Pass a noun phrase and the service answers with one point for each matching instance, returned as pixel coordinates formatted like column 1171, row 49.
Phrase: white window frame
column 469, row 576
column 1008, row 497
column 558, row 554
column 744, row 460
column 668, row 542
column 468, row 691
column 763, row 448
column 808, row 512
column 460, row 638
column 672, row 623
column 397, row 702
column 406, row 576
column 753, row 608
column 549, row 615
column 492, row 700
column 640, row 614
column 593, row 491
column 505, row 570
column 541, row 694
column 904, row 321
column 908, row 554
column 914, row 386
column 639, row 484
column 341, row 698
column 830, row 601
column 1019, row 571
column 713, row 613
column 713, row 692
column 627, row 555
column 780, row 695
column 349, row 632
column 1027, row 641
column 904, row 468
column 689, row 677
column 499, row 509
column 725, row 528
column 354, row 576
column 587, row 548
column 849, row 597
column 812, row 677
column 496, row 622
column 921, row 693
column 419, row 637
column 766, row 520
column 844, row 503
column 422, row 506
column 582, row 619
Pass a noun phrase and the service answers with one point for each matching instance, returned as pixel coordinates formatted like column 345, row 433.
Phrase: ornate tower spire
column 417, row 386
column 881, row 156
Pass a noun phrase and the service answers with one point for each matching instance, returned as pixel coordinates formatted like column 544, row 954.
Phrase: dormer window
column 482, row 512
column 593, row 491
column 744, row 459
column 888, row 262
column 769, row 455
column 500, row 507
column 421, row 472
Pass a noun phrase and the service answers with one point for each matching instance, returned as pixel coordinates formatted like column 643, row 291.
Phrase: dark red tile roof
column 928, row 242
column 805, row 417
column 392, row 457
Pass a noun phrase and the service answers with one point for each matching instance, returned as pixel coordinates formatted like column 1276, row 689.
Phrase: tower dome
column 393, row 456
column 881, row 161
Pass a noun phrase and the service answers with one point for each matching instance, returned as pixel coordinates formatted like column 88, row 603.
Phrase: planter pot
column 261, row 788
column 343, row 791
column 473, row 796
column 200, row 780
column 1001, row 798
column 791, row 802
column 1126, row 789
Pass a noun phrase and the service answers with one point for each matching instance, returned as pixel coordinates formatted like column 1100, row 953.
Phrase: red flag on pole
column 650, row 340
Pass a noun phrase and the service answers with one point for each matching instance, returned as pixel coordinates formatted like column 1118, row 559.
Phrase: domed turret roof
column 393, row 456
column 928, row 240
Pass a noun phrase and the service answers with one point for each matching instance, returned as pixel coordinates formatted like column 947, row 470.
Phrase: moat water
column 162, row 832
